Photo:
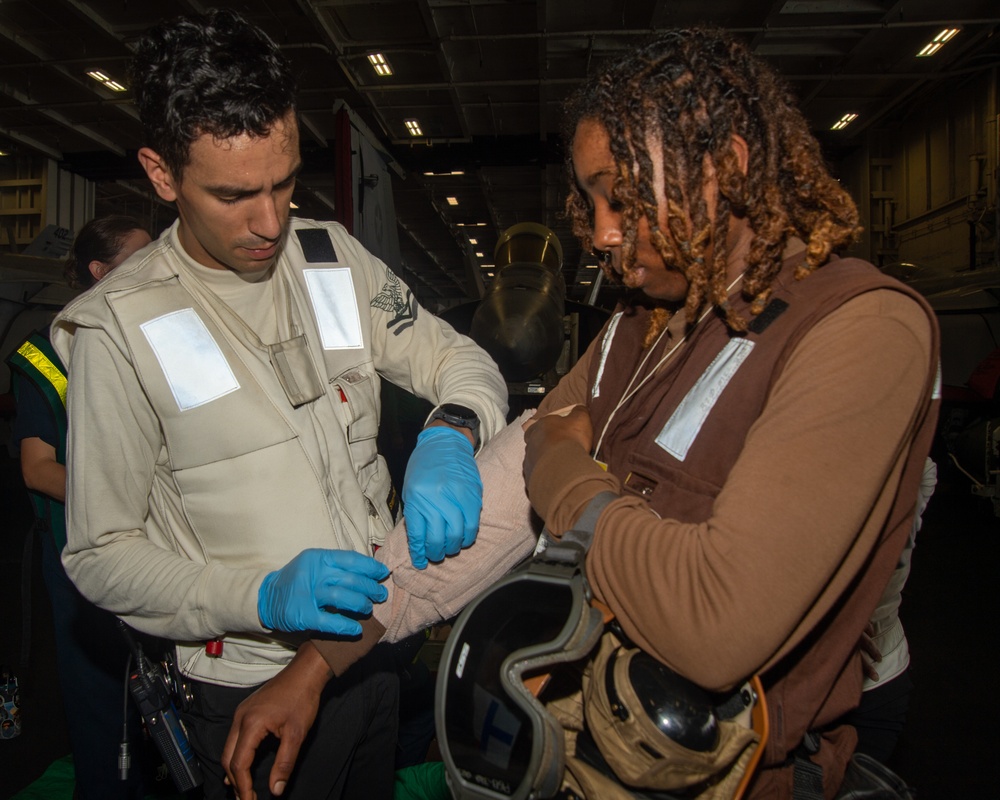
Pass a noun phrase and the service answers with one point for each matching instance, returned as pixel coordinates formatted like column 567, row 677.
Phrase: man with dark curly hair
column 749, row 431
column 225, row 488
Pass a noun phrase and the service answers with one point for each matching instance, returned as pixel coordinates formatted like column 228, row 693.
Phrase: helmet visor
column 492, row 733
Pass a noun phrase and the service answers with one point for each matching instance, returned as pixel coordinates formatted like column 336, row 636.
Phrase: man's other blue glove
column 442, row 495
column 307, row 593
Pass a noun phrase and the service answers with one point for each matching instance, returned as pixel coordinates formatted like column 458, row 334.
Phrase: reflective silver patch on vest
column 192, row 362
column 609, row 336
column 688, row 418
column 336, row 308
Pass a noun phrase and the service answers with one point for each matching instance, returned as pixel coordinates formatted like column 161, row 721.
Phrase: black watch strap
column 460, row 417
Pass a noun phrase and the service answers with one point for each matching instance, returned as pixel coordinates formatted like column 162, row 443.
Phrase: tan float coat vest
column 234, row 471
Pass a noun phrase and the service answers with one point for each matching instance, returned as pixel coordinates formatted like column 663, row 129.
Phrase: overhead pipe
column 356, row 47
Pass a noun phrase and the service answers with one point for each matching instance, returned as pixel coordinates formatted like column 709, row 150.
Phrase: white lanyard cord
column 630, row 391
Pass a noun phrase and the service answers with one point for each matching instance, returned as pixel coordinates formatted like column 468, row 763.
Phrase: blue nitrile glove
column 442, row 495
column 307, row 593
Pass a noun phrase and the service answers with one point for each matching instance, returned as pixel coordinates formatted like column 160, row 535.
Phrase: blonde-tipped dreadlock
column 690, row 91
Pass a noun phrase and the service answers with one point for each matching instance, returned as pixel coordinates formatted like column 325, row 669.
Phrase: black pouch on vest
column 868, row 779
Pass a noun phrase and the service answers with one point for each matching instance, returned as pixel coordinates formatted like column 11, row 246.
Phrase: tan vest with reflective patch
column 237, row 463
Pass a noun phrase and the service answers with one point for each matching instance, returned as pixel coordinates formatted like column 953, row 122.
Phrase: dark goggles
column 496, row 739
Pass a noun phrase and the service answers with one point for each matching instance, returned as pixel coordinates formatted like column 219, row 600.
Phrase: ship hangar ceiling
column 484, row 78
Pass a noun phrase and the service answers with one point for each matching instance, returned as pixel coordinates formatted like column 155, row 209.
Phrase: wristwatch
column 460, row 417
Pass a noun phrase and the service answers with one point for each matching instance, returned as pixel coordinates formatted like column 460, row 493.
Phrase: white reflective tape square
column 190, row 358
column 609, row 336
column 685, row 423
column 335, row 305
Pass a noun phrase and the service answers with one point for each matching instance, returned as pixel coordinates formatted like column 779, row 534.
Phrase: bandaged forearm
column 421, row 598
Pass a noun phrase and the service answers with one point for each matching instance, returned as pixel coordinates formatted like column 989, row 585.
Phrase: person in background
column 880, row 717
column 227, row 492
column 747, row 436
column 91, row 654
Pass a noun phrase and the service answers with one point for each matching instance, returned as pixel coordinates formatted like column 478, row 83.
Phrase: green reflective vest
column 36, row 361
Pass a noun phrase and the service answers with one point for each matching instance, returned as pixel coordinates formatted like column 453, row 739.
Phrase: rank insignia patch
column 392, row 300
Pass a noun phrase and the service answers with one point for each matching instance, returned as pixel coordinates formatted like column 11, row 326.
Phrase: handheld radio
column 148, row 687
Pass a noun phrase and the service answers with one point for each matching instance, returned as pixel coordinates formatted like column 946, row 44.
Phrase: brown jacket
column 758, row 534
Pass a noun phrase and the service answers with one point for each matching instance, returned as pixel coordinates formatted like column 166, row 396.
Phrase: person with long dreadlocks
column 750, row 429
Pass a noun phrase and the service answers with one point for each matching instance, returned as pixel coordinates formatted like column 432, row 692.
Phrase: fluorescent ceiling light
column 473, row 241
column 479, row 255
column 843, row 122
column 380, row 64
column 106, row 81
column 938, row 42
column 292, row 205
column 413, row 126
column 586, row 283
column 452, row 201
column 471, row 224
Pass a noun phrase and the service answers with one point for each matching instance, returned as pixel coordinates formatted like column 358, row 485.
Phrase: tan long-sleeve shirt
column 727, row 597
